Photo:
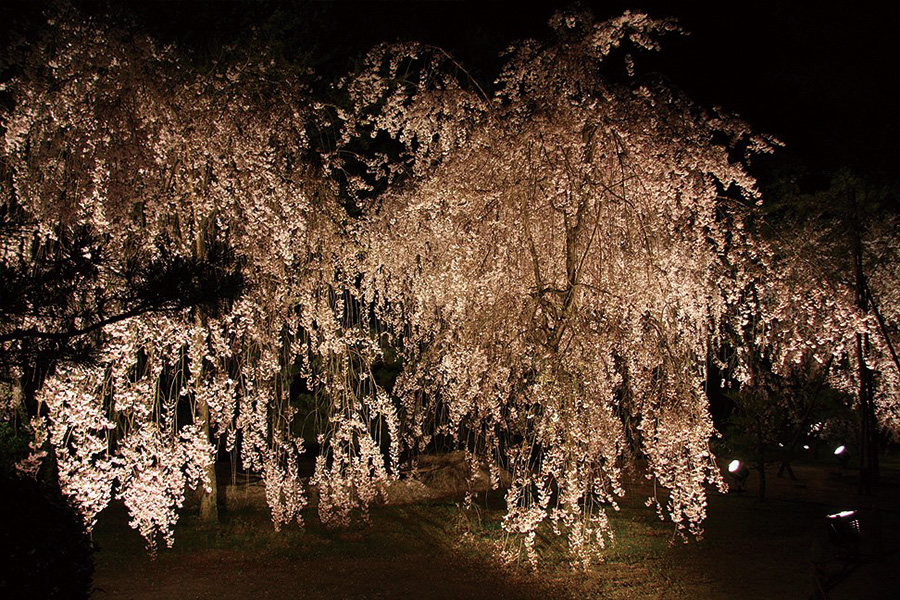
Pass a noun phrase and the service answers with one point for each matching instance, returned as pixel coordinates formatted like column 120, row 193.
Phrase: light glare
column 842, row 514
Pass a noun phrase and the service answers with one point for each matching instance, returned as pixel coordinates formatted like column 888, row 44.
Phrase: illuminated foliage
column 113, row 142
column 836, row 251
column 556, row 270
column 552, row 261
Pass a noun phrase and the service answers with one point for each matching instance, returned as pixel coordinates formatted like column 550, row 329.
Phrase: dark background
column 819, row 76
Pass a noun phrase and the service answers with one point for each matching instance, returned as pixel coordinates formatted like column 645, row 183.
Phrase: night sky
column 820, row 78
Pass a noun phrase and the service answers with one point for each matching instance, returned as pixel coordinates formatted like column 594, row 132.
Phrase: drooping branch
column 882, row 326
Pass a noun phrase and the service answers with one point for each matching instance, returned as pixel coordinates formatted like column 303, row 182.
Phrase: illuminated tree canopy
column 554, row 262
column 558, row 278
column 117, row 145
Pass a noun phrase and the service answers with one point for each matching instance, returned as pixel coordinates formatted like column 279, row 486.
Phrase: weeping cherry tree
column 555, row 262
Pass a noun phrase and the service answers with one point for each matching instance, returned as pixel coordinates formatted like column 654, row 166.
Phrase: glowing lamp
column 739, row 474
column 843, row 455
column 843, row 528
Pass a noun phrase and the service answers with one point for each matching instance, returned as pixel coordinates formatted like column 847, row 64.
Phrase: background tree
column 778, row 416
column 842, row 235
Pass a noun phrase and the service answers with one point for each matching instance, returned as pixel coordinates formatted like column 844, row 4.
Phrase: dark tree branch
column 881, row 325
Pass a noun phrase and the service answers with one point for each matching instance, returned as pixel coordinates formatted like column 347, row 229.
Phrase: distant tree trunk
column 18, row 396
column 868, row 436
column 761, row 458
column 786, row 465
column 790, row 451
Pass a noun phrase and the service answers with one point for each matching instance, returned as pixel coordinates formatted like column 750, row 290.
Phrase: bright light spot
column 734, row 466
column 839, row 450
column 842, row 514
column 806, row 446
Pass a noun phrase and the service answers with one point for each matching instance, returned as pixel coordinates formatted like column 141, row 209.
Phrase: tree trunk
column 209, row 509
column 761, row 459
column 790, row 451
column 18, row 398
column 868, row 435
column 787, row 468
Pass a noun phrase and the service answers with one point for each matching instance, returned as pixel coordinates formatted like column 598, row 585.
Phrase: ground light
column 843, row 531
column 739, row 474
column 843, row 455
column 831, row 565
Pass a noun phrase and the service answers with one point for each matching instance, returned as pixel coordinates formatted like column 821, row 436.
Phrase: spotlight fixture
column 843, row 455
column 739, row 474
column 843, row 531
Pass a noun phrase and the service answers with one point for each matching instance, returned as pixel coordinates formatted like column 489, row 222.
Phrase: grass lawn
column 751, row 549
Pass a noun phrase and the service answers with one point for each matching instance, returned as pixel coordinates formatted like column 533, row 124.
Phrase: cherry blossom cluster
column 553, row 262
